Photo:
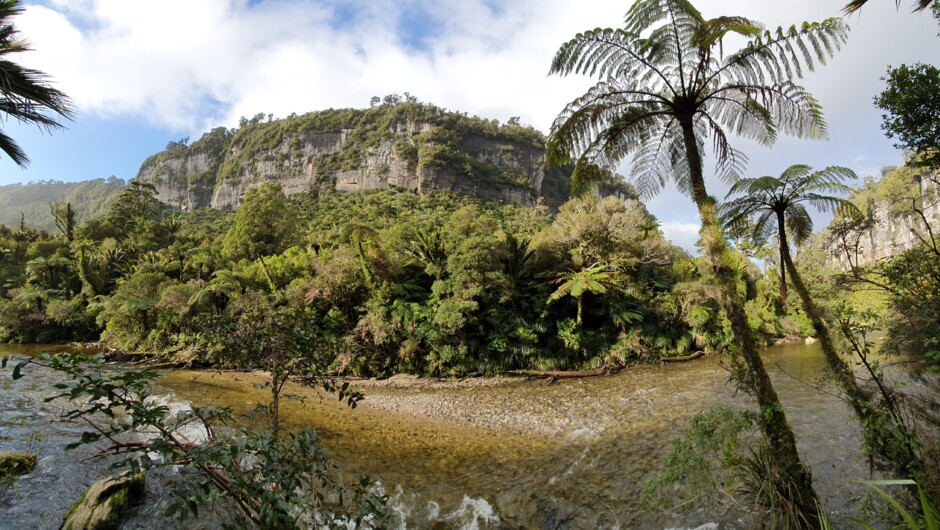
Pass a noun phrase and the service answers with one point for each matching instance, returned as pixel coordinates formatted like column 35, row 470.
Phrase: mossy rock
column 104, row 503
column 15, row 463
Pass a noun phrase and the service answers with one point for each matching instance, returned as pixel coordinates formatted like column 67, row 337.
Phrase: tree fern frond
column 586, row 177
column 664, row 76
column 855, row 5
column 711, row 32
column 771, row 57
column 799, row 224
column 730, row 161
column 794, row 172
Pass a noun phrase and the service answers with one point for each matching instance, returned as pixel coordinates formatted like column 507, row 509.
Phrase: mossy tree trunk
column 754, row 379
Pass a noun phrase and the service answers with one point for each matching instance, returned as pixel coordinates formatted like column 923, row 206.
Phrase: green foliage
column 899, row 189
column 136, row 204
column 130, row 314
column 764, row 486
column 264, row 225
column 913, row 278
column 700, row 464
column 14, row 463
column 369, row 283
column 889, row 437
column 723, row 460
column 927, row 519
column 911, row 108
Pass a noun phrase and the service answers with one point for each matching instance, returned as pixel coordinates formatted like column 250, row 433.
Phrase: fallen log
column 689, row 357
column 561, row 374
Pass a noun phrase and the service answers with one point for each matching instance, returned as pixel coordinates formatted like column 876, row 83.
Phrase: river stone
column 15, row 463
column 104, row 503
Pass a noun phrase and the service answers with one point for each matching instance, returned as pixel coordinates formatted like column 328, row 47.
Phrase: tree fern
column 664, row 88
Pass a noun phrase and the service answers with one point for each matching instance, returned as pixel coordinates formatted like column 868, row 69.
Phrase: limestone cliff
column 899, row 211
column 406, row 145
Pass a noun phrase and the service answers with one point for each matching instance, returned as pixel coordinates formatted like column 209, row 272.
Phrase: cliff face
column 178, row 181
column 899, row 211
column 408, row 145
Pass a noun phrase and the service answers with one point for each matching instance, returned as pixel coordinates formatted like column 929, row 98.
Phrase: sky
column 144, row 72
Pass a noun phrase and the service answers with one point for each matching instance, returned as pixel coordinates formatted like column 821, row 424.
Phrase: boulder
column 15, row 463
column 104, row 503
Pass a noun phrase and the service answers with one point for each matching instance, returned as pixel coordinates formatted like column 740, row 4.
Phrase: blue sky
column 143, row 73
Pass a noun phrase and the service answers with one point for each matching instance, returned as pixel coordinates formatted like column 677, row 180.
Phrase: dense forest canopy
column 436, row 283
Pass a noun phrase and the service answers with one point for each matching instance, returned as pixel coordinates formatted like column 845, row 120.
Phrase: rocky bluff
column 899, row 211
column 407, row 145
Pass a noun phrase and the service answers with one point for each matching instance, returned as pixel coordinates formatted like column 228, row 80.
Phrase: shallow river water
column 481, row 453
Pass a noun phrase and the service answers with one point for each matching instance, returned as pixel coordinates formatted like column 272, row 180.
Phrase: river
column 496, row 453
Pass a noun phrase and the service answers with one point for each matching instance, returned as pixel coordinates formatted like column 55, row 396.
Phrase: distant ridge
column 90, row 199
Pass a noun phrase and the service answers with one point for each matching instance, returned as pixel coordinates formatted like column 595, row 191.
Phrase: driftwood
column 561, row 375
column 689, row 357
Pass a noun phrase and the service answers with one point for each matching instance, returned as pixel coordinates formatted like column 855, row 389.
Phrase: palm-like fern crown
column 666, row 67
column 766, row 197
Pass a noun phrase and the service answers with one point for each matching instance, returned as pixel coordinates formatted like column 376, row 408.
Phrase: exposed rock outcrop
column 407, row 145
column 104, row 503
column 899, row 212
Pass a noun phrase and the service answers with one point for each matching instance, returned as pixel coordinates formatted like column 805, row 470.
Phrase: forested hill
column 397, row 143
column 90, row 199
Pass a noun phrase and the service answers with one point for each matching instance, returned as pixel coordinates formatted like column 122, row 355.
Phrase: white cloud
column 188, row 66
column 160, row 61
column 683, row 234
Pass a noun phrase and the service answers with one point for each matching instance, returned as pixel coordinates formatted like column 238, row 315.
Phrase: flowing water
column 481, row 453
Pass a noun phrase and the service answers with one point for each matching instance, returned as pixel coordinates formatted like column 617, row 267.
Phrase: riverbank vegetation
column 384, row 282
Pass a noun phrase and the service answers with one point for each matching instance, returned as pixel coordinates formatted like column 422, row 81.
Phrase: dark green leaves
column 911, row 105
column 25, row 94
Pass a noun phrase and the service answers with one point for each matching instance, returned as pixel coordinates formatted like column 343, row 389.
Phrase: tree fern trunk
column 886, row 440
column 784, row 247
column 773, row 420
column 580, row 304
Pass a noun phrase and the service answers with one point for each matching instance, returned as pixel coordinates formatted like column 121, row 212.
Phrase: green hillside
column 89, row 198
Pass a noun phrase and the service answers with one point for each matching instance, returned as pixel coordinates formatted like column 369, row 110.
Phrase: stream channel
column 477, row 453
